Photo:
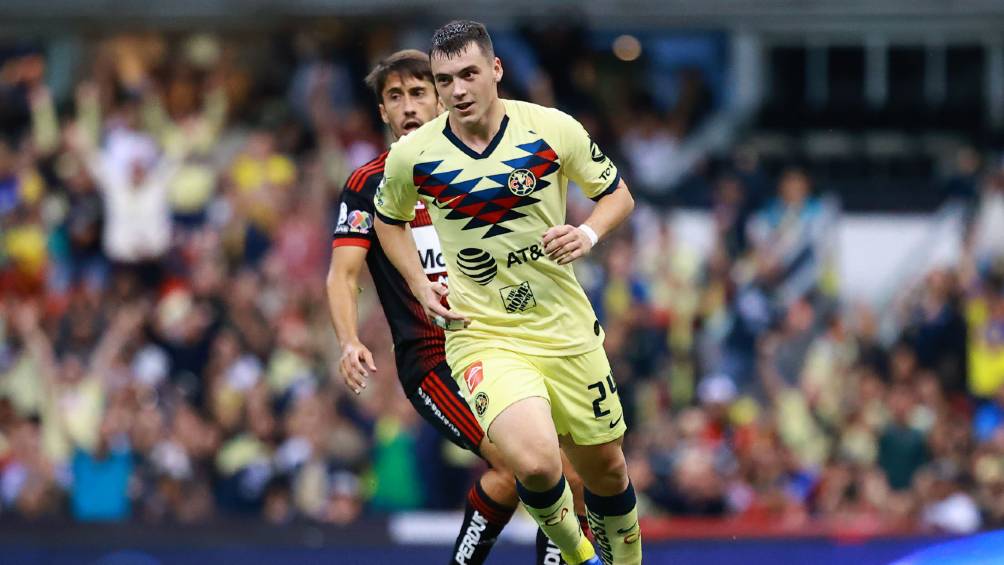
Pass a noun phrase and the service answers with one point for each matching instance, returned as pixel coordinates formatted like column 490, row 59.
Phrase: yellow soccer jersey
column 490, row 211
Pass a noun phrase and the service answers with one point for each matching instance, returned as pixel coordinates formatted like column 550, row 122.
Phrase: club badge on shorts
column 481, row 403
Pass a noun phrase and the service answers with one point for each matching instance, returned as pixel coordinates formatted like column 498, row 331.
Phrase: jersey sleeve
column 355, row 218
column 396, row 196
column 583, row 161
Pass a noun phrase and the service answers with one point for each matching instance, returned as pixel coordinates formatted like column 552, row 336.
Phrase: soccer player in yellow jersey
column 522, row 339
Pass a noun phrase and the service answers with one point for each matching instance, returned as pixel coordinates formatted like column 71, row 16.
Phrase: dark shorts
column 439, row 401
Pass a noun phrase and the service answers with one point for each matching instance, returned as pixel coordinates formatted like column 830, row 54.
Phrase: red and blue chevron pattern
column 491, row 206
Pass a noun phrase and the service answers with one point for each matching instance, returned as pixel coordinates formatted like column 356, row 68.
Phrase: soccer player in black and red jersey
column 407, row 99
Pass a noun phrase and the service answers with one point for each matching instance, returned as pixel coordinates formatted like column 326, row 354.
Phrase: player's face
column 467, row 83
column 407, row 103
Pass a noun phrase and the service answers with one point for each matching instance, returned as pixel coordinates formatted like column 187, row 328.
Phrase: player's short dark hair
column 404, row 63
column 451, row 39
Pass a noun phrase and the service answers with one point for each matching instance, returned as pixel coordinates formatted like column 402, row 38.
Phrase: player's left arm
column 567, row 243
column 597, row 176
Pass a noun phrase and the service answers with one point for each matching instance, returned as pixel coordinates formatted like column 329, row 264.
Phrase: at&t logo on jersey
column 477, row 264
column 520, row 256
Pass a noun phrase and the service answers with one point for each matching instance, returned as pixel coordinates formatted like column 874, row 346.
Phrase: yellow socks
column 554, row 512
column 614, row 522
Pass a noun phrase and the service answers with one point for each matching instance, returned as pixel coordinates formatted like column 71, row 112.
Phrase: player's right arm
column 343, row 284
column 395, row 207
column 350, row 245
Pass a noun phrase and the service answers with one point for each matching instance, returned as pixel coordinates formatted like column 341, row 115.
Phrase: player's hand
column 430, row 295
column 355, row 361
column 564, row 244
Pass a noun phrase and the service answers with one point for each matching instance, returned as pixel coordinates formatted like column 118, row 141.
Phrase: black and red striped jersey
column 418, row 344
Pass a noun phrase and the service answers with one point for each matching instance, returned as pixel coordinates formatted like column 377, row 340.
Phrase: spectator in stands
column 989, row 418
column 985, row 322
column 947, row 505
column 963, row 183
column 731, row 211
column 938, row 329
column 651, row 147
column 902, row 449
column 133, row 179
column 101, row 478
column 788, row 239
column 394, row 457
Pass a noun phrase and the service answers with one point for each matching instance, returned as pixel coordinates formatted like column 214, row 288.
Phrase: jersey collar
column 470, row 152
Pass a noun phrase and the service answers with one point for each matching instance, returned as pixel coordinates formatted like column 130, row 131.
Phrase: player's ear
column 497, row 69
column 383, row 114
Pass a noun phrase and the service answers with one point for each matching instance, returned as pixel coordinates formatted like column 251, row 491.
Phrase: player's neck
column 478, row 135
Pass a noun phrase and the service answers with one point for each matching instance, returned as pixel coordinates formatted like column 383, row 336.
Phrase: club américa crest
column 522, row 182
column 481, row 403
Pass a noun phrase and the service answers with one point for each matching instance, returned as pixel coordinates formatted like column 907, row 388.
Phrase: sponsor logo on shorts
column 474, row 375
column 472, row 537
column 427, row 400
column 518, row 297
column 481, row 403
column 477, row 264
column 522, row 182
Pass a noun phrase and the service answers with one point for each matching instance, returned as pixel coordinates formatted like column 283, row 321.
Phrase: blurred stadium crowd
column 166, row 354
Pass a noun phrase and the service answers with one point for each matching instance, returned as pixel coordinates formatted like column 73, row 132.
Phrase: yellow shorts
column 580, row 389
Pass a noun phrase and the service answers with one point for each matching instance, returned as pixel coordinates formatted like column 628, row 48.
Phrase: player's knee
column 613, row 464
column 538, row 474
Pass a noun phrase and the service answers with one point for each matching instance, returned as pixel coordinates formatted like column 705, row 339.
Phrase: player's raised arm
column 395, row 207
column 599, row 179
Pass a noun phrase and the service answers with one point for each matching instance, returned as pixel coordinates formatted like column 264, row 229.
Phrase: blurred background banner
column 805, row 314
